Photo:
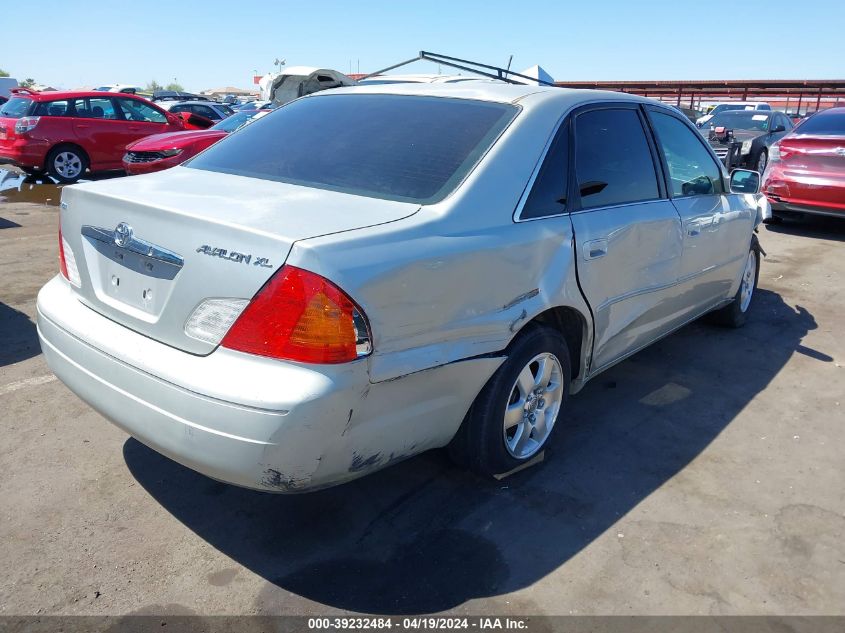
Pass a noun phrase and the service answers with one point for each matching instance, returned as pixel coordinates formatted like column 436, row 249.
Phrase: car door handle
column 595, row 249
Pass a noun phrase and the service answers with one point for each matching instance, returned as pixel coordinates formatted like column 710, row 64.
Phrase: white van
column 6, row 84
column 732, row 105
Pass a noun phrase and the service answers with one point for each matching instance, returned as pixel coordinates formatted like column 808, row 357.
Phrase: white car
column 125, row 88
column 732, row 105
column 368, row 273
column 416, row 79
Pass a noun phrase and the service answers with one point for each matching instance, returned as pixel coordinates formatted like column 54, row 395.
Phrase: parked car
column 750, row 134
column 177, row 95
column 691, row 113
column 732, row 105
column 256, row 105
column 806, row 170
column 67, row 133
column 161, row 151
column 369, row 273
column 208, row 109
column 125, row 88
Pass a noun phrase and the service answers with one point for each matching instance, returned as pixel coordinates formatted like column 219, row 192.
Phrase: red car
column 161, row 151
column 806, row 171
column 66, row 133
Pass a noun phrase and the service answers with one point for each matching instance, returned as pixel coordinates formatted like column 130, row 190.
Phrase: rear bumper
column 807, row 208
column 23, row 153
column 251, row 421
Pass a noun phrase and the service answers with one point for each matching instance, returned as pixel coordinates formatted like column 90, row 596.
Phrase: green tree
column 153, row 85
column 175, row 87
column 3, row 73
column 29, row 82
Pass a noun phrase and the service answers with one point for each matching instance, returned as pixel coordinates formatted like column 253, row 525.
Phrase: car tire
column 67, row 163
column 762, row 161
column 735, row 314
column 516, row 413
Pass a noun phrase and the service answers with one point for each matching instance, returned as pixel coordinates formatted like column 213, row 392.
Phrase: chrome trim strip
column 135, row 245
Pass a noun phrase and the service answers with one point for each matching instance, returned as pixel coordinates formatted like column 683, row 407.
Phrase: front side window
column 394, row 147
column 548, row 194
column 95, row 108
column 612, row 159
column 136, row 110
column 692, row 171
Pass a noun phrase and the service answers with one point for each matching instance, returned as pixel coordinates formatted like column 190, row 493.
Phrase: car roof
column 488, row 90
column 57, row 95
column 170, row 104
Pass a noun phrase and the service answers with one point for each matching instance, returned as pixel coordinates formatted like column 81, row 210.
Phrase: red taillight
column 62, row 264
column 26, row 124
column 303, row 317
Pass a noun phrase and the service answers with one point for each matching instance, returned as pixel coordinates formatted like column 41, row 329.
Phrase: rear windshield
column 15, row 108
column 415, row 149
column 829, row 124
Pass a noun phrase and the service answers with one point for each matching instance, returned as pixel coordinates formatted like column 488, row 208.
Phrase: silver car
column 371, row 272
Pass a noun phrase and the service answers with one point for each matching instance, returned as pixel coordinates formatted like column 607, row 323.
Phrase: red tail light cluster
column 62, row 264
column 300, row 316
column 67, row 261
column 26, row 124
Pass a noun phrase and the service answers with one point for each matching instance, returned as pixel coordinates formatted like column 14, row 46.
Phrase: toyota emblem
column 122, row 234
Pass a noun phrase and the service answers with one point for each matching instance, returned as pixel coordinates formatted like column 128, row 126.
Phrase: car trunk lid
column 150, row 249
column 813, row 155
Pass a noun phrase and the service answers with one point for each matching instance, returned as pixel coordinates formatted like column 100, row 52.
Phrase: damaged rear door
column 627, row 233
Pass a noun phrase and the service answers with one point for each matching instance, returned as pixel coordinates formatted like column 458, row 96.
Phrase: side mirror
column 778, row 128
column 745, row 181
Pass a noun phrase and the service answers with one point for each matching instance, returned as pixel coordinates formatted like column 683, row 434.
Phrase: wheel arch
column 572, row 324
column 60, row 145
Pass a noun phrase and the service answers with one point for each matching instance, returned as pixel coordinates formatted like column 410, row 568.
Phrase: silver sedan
column 372, row 272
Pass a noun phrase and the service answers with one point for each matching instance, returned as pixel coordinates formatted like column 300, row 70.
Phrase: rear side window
column 408, row 148
column 16, row 107
column 95, row 108
column 53, row 108
column 548, row 194
column 827, row 124
column 692, row 171
column 612, row 159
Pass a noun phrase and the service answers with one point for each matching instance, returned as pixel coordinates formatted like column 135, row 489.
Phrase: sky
column 210, row 44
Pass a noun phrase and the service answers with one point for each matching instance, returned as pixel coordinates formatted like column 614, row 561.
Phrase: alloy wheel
column 533, row 406
column 748, row 277
column 67, row 164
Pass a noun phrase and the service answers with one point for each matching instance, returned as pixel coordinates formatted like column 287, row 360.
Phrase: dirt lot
column 706, row 475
